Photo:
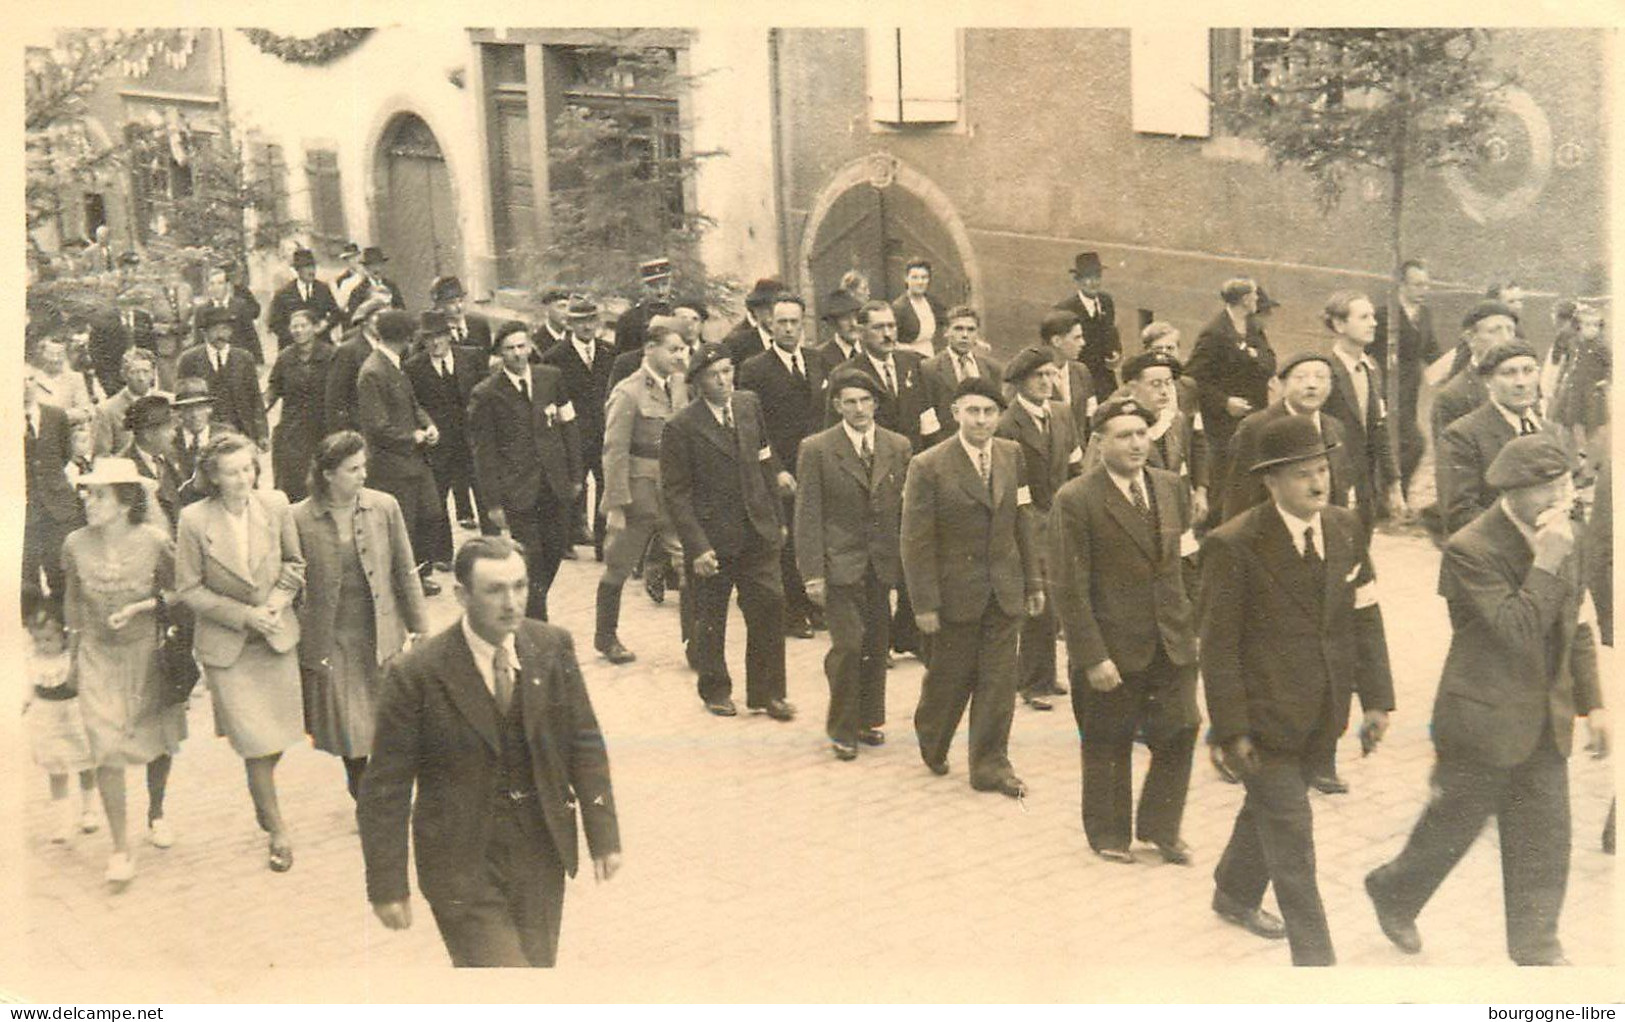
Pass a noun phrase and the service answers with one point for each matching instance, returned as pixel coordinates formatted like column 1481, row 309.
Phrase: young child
column 51, row 709
column 81, row 452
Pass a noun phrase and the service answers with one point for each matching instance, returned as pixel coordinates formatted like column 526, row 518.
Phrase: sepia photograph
column 986, row 504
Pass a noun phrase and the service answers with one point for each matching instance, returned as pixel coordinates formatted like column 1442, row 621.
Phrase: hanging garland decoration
column 313, row 50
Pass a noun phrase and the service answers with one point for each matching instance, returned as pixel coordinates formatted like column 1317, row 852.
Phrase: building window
column 513, row 184
column 161, row 174
column 914, row 76
column 327, row 224
column 271, row 168
column 1169, row 81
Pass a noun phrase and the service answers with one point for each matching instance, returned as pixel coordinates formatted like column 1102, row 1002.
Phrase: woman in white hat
column 117, row 568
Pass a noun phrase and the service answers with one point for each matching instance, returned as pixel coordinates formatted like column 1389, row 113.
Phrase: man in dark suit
column 753, row 334
column 443, row 377
column 795, row 387
column 723, row 485
column 233, row 381
column 655, row 276
column 958, row 359
column 447, row 297
column 1418, row 348
column 1306, row 382
column 1162, row 338
column 374, row 282
column 52, row 509
column 1356, row 400
column 140, row 372
column 1062, row 334
column 1521, row 667
column 131, row 326
column 194, row 407
column 1232, row 364
column 150, row 424
column 1102, row 347
column 1469, row 445
column 1486, row 325
column 970, row 554
column 1290, row 625
column 491, row 722
column 840, row 310
column 586, row 361
column 339, row 404
column 849, row 510
column 240, row 306
column 1049, row 445
column 1117, row 537
column 304, row 291
column 399, row 434
column 527, row 457
column 921, row 317
column 554, row 328
column 1152, row 379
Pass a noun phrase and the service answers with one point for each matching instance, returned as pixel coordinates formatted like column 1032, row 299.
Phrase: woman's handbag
column 178, row 671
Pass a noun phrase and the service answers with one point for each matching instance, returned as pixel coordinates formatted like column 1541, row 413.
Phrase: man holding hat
column 840, row 310
column 970, row 555
column 654, row 275
column 373, row 281
column 443, row 376
column 1049, row 446
column 399, row 435
column 1306, row 383
column 1095, row 310
column 229, row 370
column 1117, row 539
column 1510, row 372
column 754, row 333
column 1521, row 667
column 585, row 360
column 722, row 485
column 447, row 297
column 1486, row 325
column 848, row 514
column 339, row 404
column 304, row 291
column 1290, row 626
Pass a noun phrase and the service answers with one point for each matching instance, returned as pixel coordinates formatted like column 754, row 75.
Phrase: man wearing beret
column 447, row 297
column 1152, row 379
column 444, row 375
column 230, row 373
column 586, row 360
column 849, row 509
column 1117, row 537
column 1511, row 375
column 1521, row 667
column 722, row 485
column 1356, row 401
column 970, row 555
column 840, row 310
column 1306, row 383
column 1485, row 325
column 1095, row 311
column 655, row 277
column 1290, row 626
column 1049, row 446
column 555, row 326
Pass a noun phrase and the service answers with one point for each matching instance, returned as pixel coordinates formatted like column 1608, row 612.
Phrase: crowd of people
column 1169, row 517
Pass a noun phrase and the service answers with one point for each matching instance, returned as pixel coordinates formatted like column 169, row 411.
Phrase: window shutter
column 1169, row 75
column 914, row 75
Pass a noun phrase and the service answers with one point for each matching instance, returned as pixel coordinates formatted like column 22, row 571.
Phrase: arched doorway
column 416, row 210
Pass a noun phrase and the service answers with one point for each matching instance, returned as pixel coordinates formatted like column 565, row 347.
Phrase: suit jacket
column 520, row 447
column 939, row 375
column 446, row 400
column 964, row 547
column 1519, row 659
column 109, row 432
column 743, row 341
column 1181, row 448
column 1243, row 489
column 1223, row 368
column 587, row 388
column 847, row 519
column 1118, row 590
column 905, row 411
column 44, row 458
column 437, row 730
column 235, row 388
column 213, row 579
column 110, row 339
column 633, row 324
column 1465, row 392
column 720, row 487
column 798, row 406
column 830, row 354
column 244, row 309
column 476, row 334
column 1270, row 651
column 286, row 301
column 339, row 404
column 1052, row 457
column 186, row 456
column 1100, row 338
column 385, row 551
column 388, row 415
column 1081, row 398
column 908, row 321
column 1463, row 456
column 164, row 472
column 363, row 290
column 1368, row 454
column 1418, row 347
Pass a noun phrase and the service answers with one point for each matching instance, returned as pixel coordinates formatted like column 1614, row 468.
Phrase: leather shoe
column 1329, row 784
column 614, row 652
column 1037, row 703
column 1555, row 961
column 1401, row 931
column 798, row 630
column 778, row 709
column 569, row 554
column 725, row 708
column 1008, row 785
column 872, row 736
column 1057, row 689
column 843, row 751
column 1254, row 920
column 430, row 587
column 938, row 767
column 1175, row 852
column 1118, row 855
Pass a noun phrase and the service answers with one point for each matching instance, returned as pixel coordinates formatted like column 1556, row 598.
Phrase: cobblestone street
column 747, row 843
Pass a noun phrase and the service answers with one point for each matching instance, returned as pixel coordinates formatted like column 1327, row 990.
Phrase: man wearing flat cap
column 840, row 310
column 1049, row 446
column 849, row 510
column 655, row 278
column 229, row 370
column 1511, row 376
column 722, row 485
column 1117, row 537
column 1290, row 625
column 1522, row 665
column 304, row 291
column 970, row 556
column 447, row 297
column 585, row 361
column 754, row 334
column 1486, row 325
column 374, row 282
column 444, row 375
column 1102, row 347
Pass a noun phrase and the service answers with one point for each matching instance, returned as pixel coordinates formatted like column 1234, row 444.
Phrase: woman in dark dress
column 299, row 381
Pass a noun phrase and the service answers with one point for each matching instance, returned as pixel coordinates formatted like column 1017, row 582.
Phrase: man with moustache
column 848, row 512
column 1511, row 373
column 1356, row 400
column 1117, row 537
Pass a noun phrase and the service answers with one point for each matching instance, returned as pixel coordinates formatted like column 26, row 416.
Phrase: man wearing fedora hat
column 655, row 279
column 754, row 334
column 338, row 406
column 150, row 426
column 840, row 310
column 373, row 280
column 350, row 276
column 304, row 291
column 1102, row 347
column 1467, row 447
column 447, row 297
column 233, row 380
column 585, row 360
column 194, row 406
column 1522, row 665
column 443, row 376
column 1290, row 626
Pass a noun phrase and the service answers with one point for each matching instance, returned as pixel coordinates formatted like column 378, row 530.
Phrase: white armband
column 1188, row 544
column 1075, row 457
column 929, row 422
column 1365, row 596
column 567, row 412
column 765, row 453
column 1024, row 496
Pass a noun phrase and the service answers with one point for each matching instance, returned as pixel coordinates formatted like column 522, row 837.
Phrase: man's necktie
column 967, row 367
column 795, row 367
column 728, row 417
column 985, row 466
column 1311, row 554
column 890, row 381
column 866, row 455
column 524, row 390
column 1137, row 498
column 1527, row 427
column 502, row 676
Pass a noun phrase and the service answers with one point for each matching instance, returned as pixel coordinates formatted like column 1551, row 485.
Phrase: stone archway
column 415, row 207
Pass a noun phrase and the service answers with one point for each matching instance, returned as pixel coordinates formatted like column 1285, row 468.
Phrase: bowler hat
column 1027, row 362
column 192, row 390
column 554, row 294
column 1299, row 359
column 765, row 290
column 703, row 359
column 1528, row 461
column 581, row 307
column 395, row 325
column 652, row 270
column 108, row 470
column 147, row 411
column 1499, row 353
column 1150, row 360
column 372, row 255
column 432, row 323
column 1121, row 406
column 1287, row 440
column 1087, row 264
column 979, row 386
column 212, row 315
column 350, row 249
column 847, row 376
column 303, row 257
column 839, row 303
column 1484, row 310
column 445, row 289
